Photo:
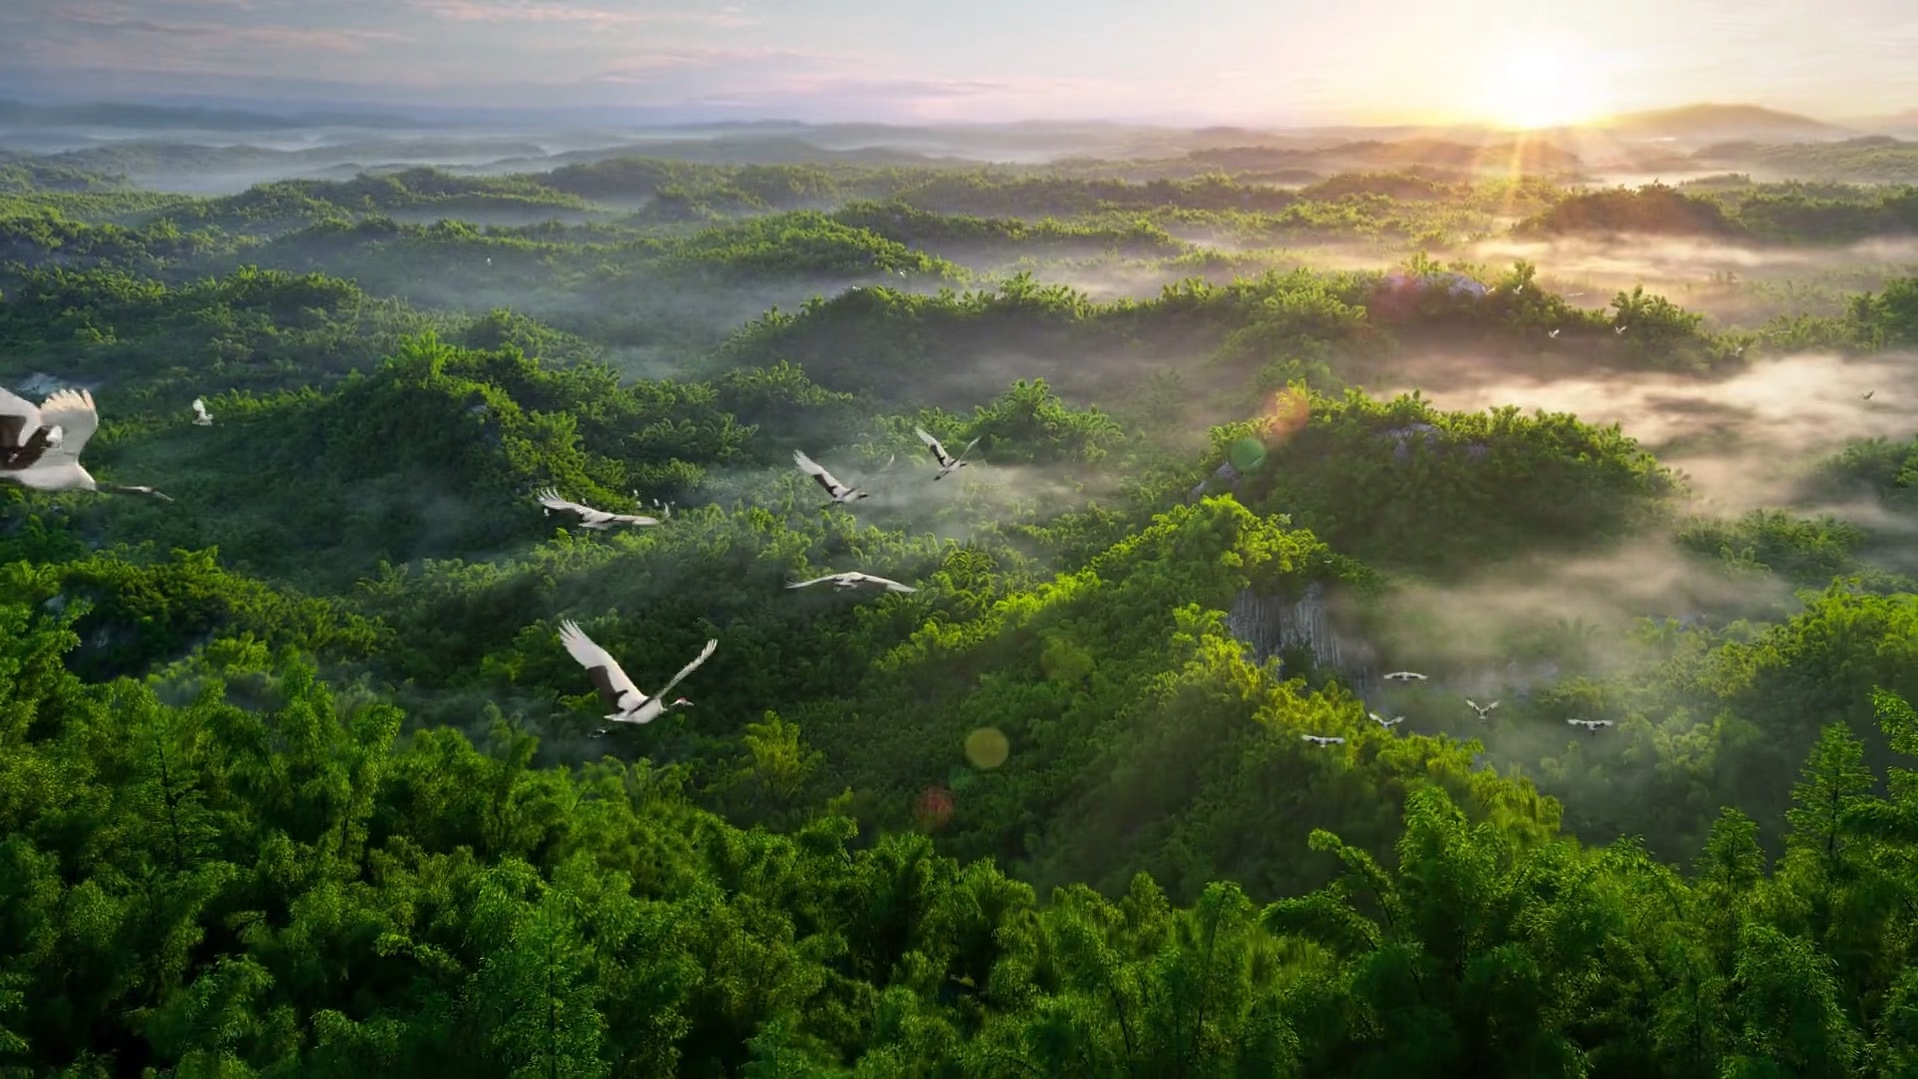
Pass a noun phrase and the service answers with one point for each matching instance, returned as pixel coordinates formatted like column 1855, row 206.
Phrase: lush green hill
column 296, row 777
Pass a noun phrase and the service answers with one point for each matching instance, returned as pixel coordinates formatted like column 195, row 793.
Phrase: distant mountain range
column 1717, row 123
column 204, row 148
column 122, row 115
column 1699, row 123
column 1904, row 123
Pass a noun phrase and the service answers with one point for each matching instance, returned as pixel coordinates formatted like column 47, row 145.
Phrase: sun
column 1537, row 86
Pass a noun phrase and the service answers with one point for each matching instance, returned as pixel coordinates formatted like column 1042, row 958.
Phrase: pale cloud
column 560, row 12
column 825, row 94
column 100, row 19
column 772, row 78
column 655, row 68
column 1226, row 61
column 931, row 98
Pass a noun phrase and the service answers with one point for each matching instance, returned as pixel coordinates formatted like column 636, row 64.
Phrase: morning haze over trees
column 1419, row 600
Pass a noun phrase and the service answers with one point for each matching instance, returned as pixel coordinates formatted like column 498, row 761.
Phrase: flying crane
column 597, row 520
column 947, row 462
column 853, row 579
column 841, row 494
column 40, row 447
column 628, row 702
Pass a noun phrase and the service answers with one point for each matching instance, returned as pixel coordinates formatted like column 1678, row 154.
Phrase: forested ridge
column 297, row 777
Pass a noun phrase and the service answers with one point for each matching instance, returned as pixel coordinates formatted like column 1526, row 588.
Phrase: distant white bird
column 1554, row 334
column 1591, row 725
column 1483, row 710
column 1388, row 724
column 854, row 579
column 200, row 415
column 597, row 520
column 840, row 493
column 628, row 702
column 1405, row 676
column 1324, row 740
column 947, row 462
column 40, row 447
column 1620, row 329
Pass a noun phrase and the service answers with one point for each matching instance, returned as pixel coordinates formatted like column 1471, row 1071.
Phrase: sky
column 1269, row 62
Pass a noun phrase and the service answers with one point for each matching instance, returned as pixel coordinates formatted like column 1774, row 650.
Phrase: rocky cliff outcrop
column 1271, row 624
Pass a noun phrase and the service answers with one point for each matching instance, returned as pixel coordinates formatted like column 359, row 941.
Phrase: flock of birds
column 627, row 703
column 1590, row 726
column 40, row 449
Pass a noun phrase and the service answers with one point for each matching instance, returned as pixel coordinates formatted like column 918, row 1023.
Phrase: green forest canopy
column 294, row 778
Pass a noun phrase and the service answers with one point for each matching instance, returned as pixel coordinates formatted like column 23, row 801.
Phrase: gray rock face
column 1270, row 624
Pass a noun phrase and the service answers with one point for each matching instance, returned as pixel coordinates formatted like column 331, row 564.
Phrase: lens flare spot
column 933, row 808
column 987, row 747
column 1286, row 414
column 1247, row 454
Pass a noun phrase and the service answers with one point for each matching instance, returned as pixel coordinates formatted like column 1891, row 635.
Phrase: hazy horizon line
column 291, row 98
column 295, row 108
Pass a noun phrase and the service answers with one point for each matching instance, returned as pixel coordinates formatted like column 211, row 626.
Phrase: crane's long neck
column 120, row 489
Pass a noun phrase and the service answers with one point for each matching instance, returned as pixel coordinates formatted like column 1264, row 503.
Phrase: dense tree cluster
column 295, row 778
column 265, row 878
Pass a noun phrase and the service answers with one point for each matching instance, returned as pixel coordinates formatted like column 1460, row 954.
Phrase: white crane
column 1554, row 334
column 947, row 462
column 201, row 417
column 1388, row 724
column 40, row 447
column 1616, row 330
column 598, row 520
column 853, row 579
column 1591, row 725
column 1484, row 710
column 841, row 494
column 628, row 702
column 1324, row 740
column 1405, row 676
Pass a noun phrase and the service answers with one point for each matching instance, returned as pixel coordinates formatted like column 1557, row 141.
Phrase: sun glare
column 1539, row 86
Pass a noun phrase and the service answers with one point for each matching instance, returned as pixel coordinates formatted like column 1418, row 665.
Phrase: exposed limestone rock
column 1270, row 624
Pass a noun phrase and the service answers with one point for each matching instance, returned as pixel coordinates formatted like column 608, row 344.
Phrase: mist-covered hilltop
column 298, row 776
column 225, row 147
